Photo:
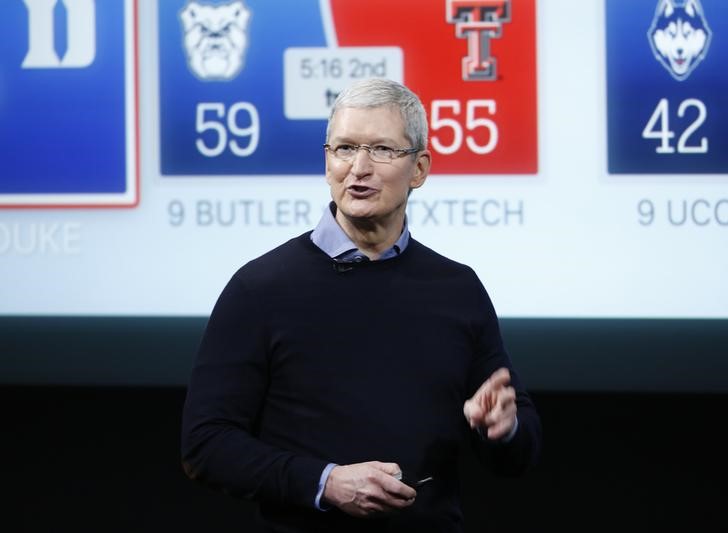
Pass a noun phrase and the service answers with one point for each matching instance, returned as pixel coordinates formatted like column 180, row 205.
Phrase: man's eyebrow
column 378, row 140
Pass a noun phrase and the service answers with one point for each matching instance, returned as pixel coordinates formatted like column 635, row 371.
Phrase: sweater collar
column 335, row 243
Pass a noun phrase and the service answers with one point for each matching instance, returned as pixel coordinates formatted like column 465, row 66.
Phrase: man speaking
column 340, row 372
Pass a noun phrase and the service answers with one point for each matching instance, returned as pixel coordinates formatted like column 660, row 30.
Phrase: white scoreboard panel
column 149, row 148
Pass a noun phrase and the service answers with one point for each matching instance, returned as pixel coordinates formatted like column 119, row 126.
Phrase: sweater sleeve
column 224, row 403
column 522, row 451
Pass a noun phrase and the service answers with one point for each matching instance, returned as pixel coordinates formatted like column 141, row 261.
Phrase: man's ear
column 422, row 169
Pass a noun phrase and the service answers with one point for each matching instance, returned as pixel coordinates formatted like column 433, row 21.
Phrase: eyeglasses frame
column 401, row 152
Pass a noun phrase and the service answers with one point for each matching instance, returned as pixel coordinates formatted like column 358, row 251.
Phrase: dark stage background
column 107, row 459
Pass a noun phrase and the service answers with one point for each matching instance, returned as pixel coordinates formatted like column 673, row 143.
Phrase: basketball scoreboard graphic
column 246, row 86
column 666, row 86
column 68, row 107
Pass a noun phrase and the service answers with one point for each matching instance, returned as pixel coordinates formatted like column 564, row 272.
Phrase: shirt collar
column 335, row 243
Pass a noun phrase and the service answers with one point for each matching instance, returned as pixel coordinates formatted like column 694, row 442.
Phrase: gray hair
column 379, row 92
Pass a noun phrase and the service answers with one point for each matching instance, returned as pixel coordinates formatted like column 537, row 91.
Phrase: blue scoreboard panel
column 667, row 86
column 68, row 109
column 221, row 84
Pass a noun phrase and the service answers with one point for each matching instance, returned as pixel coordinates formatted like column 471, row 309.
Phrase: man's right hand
column 365, row 489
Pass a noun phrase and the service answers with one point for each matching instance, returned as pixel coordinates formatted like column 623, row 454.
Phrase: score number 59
column 209, row 118
column 445, row 115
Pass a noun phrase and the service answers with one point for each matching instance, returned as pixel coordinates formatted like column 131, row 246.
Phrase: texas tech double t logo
column 479, row 21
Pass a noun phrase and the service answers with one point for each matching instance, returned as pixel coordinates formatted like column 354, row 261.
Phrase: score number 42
column 658, row 127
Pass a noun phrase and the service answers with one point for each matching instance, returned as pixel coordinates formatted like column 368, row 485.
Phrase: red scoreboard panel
column 473, row 64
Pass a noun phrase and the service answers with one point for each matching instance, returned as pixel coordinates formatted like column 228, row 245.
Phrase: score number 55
column 474, row 120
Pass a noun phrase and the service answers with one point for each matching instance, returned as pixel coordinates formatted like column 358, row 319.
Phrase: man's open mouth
column 360, row 191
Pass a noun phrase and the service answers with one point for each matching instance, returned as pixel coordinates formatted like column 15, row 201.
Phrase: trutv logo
column 80, row 18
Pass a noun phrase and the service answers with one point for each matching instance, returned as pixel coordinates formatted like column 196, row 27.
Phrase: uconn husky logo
column 80, row 49
column 679, row 36
column 478, row 21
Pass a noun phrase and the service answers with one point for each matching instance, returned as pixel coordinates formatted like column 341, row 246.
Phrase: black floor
column 107, row 459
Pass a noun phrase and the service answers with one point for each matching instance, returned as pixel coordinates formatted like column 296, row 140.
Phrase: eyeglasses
column 378, row 153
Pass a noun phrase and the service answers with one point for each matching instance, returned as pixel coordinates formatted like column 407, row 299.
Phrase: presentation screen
column 151, row 148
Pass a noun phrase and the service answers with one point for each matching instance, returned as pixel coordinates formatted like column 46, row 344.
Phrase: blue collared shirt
column 329, row 236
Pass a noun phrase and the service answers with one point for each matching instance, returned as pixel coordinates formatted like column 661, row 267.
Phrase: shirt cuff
column 509, row 437
column 505, row 440
column 322, row 484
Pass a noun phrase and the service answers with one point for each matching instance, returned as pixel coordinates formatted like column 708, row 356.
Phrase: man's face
column 362, row 188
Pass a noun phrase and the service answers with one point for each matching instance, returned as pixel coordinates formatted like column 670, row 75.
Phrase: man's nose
column 361, row 164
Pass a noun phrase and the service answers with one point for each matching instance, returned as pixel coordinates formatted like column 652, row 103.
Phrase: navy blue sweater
column 302, row 365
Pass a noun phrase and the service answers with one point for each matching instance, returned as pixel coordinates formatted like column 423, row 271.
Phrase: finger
column 395, row 502
column 501, row 429
column 387, row 468
column 505, row 404
column 503, row 398
column 509, row 413
column 501, row 425
column 477, row 409
column 498, row 379
column 383, row 475
column 396, row 489
column 473, row 412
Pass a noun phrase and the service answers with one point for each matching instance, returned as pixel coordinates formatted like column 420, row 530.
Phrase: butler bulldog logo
column 215, row 38
column 679, row 36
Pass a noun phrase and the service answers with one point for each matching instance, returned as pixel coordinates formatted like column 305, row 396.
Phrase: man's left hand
column 493, row 406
